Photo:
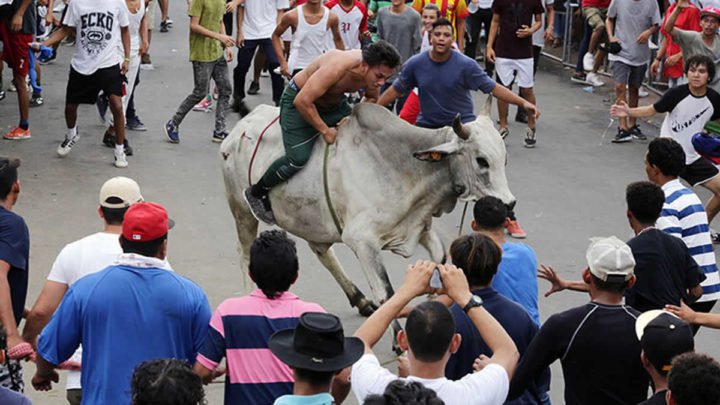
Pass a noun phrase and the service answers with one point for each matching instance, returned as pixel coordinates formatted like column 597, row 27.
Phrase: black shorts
column 82, row 89
column 699, row 172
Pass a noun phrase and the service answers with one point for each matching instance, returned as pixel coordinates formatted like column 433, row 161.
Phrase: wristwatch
column 475, row 301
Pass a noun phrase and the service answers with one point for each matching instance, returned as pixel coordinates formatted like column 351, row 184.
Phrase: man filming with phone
column 430, row 339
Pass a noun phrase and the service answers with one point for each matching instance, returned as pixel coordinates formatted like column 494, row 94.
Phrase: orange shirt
column 450, row 9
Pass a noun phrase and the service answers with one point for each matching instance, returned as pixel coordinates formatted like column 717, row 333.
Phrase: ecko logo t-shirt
column 97, row 26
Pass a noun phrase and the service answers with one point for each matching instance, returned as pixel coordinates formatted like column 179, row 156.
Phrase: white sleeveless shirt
column 309, row 40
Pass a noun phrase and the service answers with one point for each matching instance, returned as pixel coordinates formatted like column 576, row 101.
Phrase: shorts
column 84, row 89
column 699, row 172
column 508, row 70
column 595, row 17
column 150, row 14
column 16, row 48
column 627, row 74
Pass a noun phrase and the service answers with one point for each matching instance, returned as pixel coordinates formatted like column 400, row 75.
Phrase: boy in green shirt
column 207, row 40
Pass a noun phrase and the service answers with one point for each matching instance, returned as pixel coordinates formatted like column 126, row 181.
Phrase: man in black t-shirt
column 595, row 342
column 14, row 258
column 665, row 270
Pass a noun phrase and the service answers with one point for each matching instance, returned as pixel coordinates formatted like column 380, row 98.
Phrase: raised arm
column 670, row 23
column 505, row 352
column 558, row 283
column 698, row 318
column 417, row 282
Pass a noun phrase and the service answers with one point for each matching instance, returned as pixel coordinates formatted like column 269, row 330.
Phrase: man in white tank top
column 312, row 25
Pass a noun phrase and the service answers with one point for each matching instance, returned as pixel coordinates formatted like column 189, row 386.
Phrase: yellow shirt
column 450, row 9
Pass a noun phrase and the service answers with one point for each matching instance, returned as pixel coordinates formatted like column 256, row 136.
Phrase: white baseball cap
column 120, row 192
column 610, row 258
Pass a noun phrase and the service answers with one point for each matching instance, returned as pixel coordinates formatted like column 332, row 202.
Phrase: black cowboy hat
column 317, row 343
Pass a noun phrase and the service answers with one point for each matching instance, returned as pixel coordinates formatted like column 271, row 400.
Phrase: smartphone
column 435, row 280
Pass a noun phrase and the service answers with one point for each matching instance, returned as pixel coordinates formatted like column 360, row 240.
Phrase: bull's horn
column 488, row 106
column 459, row 128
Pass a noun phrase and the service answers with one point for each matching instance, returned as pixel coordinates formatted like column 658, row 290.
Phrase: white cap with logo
column 610, row 258
column 120, row 192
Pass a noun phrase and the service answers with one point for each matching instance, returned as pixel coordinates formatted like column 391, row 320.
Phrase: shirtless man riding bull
column 313, row 103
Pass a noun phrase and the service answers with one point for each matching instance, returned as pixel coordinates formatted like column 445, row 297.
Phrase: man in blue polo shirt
column 479, row 257
column 444, row 79
column 126, row 314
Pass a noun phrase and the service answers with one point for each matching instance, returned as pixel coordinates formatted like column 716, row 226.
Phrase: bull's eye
column 483, row 163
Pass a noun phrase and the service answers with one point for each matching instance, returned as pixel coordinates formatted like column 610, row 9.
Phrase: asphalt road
column 569, row 188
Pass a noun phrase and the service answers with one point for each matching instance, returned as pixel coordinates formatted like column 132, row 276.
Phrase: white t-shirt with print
column 487, row 387
column 76, row 260
column 97, row 28
column 260, row 18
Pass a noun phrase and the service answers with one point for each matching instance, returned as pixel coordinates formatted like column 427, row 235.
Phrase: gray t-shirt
column 632, row 17
column 691, row 43
column 401, row 30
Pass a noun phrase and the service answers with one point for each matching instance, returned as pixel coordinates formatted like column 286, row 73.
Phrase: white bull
column 386, row 180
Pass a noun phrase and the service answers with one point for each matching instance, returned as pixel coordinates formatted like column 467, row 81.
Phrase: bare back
column 334, row 71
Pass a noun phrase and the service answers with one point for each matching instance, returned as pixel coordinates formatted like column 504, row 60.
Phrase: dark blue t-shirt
column 443, row 87
column 15, row 250
column 518, row 324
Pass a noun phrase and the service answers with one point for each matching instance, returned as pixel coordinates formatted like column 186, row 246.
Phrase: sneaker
column 67, row 145
column 169, row 22
column 102, row 107
column 259, row 207
column 172, row 132
column 622, row 136
column 204, row 106
column 241, row 108
column 637, row 133
column 121, row 160
column 588, row 61
column 146, row 63
column 219, row 136
column 254, row 88
column 69, row 41
column 642, row 93
column 128, row 149
column 504, row 132
column 18, row 134
column 521, row 116
column 530, row 140
column 12, row 88
column 109, row 138
column 579, row 78
column 164, row 26
column 515, row 230
column 594, row 79
column 2, row 95
column 714, row 236
column 264, row 73
column 36, row 100
column 48, row 60
column 134, row 124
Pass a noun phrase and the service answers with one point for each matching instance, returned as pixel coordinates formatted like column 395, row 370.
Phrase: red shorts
column 16, row 46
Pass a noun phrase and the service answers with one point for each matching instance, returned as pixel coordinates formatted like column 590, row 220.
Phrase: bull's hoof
column 366, row 307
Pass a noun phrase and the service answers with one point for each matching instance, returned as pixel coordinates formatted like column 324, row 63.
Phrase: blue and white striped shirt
column 683, row 216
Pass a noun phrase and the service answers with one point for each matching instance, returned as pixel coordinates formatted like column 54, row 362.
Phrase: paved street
column 571, row 187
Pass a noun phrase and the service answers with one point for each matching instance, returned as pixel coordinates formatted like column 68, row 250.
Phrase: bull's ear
column 437, row 153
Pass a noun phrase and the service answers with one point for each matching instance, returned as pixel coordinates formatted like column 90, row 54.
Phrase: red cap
column 711, row 11
column 145, row 221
